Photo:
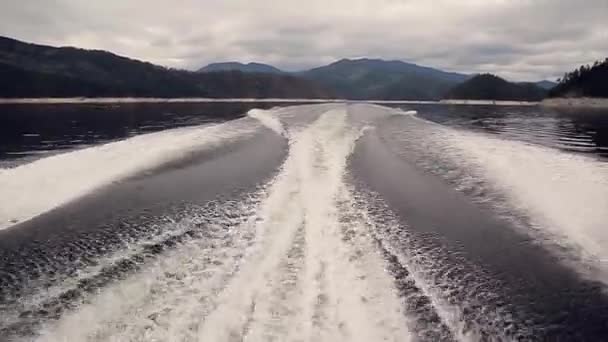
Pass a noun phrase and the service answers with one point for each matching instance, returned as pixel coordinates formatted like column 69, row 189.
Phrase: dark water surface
column 32, row 131
column 574, row 130
column 318, row 222
column 29, row 131
column 544, row 298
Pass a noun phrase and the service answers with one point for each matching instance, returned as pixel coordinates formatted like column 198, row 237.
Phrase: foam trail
column 300, row 285
column 37, row 187
column 168, row 299
column 566, row 195
column 438, row 278
column 563, row 196
column 298, row 266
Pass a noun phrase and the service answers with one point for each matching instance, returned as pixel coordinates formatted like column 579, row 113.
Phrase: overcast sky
column 517, row 39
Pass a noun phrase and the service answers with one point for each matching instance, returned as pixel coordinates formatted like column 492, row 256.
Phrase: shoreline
column 128, row 100
column 578, row 102
column 110, row 100
column 488, row 102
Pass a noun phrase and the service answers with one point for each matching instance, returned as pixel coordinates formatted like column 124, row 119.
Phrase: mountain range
column 236, row 66
column 545, row 84
column 32, row 70
column 384, row 80
column 488, row 86
column 365, row 78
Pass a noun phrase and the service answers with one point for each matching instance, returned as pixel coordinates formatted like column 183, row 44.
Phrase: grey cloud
column 519, row 39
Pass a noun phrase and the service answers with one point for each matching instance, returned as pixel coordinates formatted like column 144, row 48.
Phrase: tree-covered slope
column 587, row 81
column 490, row 87
column 383, row 80
column 30, row 70
column 236, row 66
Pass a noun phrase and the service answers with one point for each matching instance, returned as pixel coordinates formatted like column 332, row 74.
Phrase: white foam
column 268, row 120
column 428, row 267
column 297, row 279
column 302, row 201
column 398, row 111
column 564, row 194
column 304, row 267
column 31, row 189
column 171, row 295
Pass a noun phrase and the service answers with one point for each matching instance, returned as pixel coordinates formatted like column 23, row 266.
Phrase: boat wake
column 296, row 265
column 314, row 253
column 557, row 198
column 32, row 189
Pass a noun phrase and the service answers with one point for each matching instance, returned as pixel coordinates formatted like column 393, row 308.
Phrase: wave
column 310, row 255
column 268, row 120
column 565, row 195
column 298, row 265
column 46, row 299
column 31, row 189
column 558, row 198
column 447, row 296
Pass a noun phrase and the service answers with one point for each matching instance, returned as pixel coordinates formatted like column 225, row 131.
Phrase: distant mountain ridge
column 31, row 70
column 397, row 66
column 545, row 84
column 252, row 67
column 491, row 87
column 367, row 78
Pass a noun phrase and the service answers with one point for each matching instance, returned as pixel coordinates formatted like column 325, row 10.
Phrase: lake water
column 341, row 221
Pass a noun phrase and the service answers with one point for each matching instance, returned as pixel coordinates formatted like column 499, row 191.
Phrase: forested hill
column 491, row 87
column 30, row 70
column 587, row 81
column 365, row 78
column 236, row 66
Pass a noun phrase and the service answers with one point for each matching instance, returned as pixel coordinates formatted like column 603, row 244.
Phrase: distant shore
column 119, row 100
column 109, row 100
column 580, row 102
column 488, row 102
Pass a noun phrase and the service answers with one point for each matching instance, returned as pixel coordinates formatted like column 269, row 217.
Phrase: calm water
column 29, row 132
column 580, row 131
column 343, row 221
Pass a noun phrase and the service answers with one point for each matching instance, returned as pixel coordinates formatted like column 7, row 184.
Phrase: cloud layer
column 518, row 39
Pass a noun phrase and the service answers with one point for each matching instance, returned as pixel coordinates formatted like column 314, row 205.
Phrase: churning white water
column 562, row 195
column 293, row 268
column 34, row 188
column 307, row 256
